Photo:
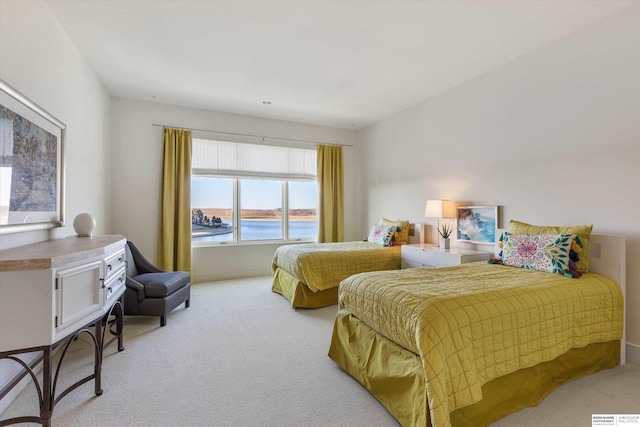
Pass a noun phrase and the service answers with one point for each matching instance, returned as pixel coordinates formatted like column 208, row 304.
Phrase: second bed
column 308, row 275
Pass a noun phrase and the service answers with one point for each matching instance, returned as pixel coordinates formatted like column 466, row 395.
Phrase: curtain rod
column 255, row 136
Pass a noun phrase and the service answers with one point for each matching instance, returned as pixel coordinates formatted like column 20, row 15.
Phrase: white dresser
column 50, row 289
column 54, row 290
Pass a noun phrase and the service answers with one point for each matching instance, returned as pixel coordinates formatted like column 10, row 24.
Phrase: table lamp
column 438, row 209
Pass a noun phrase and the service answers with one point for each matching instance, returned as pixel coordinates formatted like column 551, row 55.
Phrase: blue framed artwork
column 477, row 224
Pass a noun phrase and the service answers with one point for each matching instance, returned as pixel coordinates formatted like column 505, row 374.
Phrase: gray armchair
column 151, row 291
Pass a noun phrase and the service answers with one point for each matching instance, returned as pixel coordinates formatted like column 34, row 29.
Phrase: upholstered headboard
column 608, row 256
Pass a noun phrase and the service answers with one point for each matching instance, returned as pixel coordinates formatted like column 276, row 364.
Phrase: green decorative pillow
column 543, row 252
column 382, row 234
column 579, row 255
column 402, row 236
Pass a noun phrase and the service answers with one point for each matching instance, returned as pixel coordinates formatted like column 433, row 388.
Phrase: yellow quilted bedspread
column 475, row 322
column 324, row 265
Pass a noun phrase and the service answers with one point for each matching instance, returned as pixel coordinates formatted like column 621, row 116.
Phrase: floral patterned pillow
column 382, row 235
column 543, row 252
column 580, row 253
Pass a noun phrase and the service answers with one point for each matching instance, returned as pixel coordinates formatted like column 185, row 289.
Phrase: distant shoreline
column 291, row 218
column 226, row 214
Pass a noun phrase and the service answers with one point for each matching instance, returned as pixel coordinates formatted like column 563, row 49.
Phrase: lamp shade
column 439, row 209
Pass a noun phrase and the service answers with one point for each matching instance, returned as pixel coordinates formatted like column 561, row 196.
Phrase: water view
column 254, row 230
column 259, row 206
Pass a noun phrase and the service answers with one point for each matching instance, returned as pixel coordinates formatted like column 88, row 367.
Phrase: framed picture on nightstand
column 477, row 224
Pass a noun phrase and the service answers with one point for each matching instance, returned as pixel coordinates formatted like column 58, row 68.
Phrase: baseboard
column 633, row 353
column 14, row 392
column 228, row 275
column 18, row 380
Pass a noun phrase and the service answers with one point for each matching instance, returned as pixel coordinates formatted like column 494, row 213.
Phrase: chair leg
column 163, row 321
column 187, row 303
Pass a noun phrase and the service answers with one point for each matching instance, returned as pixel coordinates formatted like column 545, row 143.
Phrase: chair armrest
column 136, row 287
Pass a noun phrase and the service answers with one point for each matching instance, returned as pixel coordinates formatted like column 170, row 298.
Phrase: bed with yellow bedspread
column 430, row 343
column 308, row 274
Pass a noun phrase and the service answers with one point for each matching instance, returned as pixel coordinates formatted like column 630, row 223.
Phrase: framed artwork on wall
column 31, row 165
column 477, row 224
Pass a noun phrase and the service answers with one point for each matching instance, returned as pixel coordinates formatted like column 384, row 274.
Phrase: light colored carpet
column 240, row 356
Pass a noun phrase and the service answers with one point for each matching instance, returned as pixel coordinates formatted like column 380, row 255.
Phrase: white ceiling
column 336, row 63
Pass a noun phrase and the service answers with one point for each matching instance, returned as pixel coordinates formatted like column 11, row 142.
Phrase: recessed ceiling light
column 266, row 102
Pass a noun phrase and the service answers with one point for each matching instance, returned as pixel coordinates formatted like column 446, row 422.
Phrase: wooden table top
column 58, row 252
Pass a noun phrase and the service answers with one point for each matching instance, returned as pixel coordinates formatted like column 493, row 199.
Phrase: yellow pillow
column 582, row 231
column 402, row 236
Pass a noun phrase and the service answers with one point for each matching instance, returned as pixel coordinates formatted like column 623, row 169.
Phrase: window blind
column 241, row 160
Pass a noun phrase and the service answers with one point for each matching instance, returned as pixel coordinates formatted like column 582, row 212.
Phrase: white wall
column 137, row 171
column 39, row 60
column 553, row 137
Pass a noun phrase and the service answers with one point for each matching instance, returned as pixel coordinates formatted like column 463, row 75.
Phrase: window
column 261, row 213
column 249, row 193
column 303, row 218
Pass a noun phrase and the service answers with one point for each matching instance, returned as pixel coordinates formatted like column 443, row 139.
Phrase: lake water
column 265, row 230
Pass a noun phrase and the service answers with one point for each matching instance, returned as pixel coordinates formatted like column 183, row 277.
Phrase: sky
column 256, row 194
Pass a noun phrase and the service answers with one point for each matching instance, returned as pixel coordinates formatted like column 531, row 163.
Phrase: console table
column 50, row 293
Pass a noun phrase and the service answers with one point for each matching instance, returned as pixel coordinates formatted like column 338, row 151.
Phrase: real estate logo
column 615, row 420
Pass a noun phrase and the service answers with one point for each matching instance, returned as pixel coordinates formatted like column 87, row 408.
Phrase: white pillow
column 382, row 234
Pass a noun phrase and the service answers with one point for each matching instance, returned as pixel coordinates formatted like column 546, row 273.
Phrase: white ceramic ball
column 84, row 224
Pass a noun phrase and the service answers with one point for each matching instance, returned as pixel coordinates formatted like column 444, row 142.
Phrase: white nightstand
column 425, row 255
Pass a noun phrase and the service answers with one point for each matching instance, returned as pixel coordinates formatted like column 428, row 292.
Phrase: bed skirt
column 395, row 375
column 299, row 293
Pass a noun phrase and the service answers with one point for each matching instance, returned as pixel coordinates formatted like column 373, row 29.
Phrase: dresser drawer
column 415, row 256
column 113, row 264
column 114, row 286
column 425, row 255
